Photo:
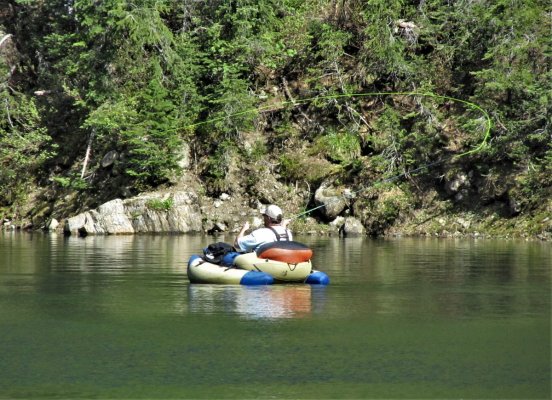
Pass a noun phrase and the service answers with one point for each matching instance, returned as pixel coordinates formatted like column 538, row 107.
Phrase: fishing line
column 469, row 104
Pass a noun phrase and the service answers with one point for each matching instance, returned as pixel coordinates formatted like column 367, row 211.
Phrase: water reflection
column 413, row 277
column 117, row 254
column 106, row 317
column 260, row 302
column 452, row 278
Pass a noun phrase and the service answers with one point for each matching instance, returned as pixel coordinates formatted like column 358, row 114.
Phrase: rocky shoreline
column 329, row 209
column 186, row 211
column 177, row 212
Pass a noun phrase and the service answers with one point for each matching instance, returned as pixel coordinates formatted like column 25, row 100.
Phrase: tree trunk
column 88, row 150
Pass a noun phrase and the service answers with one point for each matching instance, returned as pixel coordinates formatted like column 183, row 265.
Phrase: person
column 275, row 228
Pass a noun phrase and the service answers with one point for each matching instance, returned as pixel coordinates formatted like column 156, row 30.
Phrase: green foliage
column 151, row 141
column 385, row 138
column 73, row 182
column 514, row 80
column 385, row 206
column 340, row 147
column 535, row 183
column 286, row 36
column 146, row 75
column 257, row 151
column 24, row 148
column 384, row 51
column 328, row 43
column 298, row 167
column 232, row 107
column 160, row 205
column 139, row 112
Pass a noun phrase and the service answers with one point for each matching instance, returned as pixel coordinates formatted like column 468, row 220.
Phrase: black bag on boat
column 215, row 252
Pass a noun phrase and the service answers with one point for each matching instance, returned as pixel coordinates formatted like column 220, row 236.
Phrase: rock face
column 184, row 211
column 176, row 212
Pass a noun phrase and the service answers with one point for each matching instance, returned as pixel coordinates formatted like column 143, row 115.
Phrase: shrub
column 160, row 205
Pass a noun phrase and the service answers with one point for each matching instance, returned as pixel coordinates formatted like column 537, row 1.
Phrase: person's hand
column 286, row 222
column 241, row 234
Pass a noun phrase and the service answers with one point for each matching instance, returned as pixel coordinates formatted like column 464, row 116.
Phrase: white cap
column 272, row 211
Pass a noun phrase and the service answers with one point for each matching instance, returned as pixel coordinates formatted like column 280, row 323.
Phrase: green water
column 115, row 317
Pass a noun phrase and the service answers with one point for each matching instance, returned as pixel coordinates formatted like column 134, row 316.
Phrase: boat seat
column 287, row 251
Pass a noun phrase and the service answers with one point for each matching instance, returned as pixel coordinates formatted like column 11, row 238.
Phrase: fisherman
column 275, row 229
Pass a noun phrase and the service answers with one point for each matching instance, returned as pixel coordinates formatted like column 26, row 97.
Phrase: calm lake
column 115, row 317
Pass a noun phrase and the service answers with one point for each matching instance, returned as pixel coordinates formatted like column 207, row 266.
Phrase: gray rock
column 353, row 227
column 111, row 218
column 135, row 215
column 337, row 224
column 73, row 224
column 454, row 184
column 184, row 156
column 109, row 158
column 53, row 225
column 332, row 200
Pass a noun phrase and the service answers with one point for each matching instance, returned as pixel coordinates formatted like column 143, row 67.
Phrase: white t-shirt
column 261, row 236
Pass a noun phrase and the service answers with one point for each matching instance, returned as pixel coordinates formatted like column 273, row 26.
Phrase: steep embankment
column 335, row 208
column 194, row 114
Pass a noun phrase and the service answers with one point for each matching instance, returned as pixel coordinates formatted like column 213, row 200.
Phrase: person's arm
column 244, row 229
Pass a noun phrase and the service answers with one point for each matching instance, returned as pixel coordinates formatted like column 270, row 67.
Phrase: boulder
column 337, row 224
column 353, row 227
column 74, row 224
column 455, row 183
column 109, row 158
column 53, row 225
column 184, row 157
column 332, row 200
